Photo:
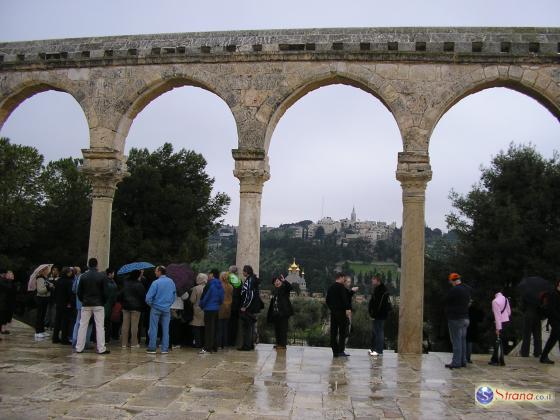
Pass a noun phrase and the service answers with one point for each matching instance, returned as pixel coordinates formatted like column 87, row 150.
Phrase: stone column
column 105, row 168
column 414, row 173
column 252, row 170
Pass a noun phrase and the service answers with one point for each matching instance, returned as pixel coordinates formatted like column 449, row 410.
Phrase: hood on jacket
column 201, row 278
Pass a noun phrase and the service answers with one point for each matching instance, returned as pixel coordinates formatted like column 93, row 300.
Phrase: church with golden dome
column 297, row 276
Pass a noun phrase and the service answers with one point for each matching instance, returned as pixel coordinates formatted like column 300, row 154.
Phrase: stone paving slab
column 40, row 380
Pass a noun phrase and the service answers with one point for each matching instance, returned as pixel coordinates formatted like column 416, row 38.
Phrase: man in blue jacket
column 160, row 297
column 212, row 298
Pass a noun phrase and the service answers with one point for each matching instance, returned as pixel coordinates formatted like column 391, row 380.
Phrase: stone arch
column 29, row 88
column 542, row 92
column 286, row 98
column 152, row 91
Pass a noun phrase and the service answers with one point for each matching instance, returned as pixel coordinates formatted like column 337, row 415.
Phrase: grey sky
column 337, row 144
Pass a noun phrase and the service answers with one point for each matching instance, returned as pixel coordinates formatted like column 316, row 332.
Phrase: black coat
column 553, row 309
column 133, row 295
column 338, row 298
column 280, row 304
column 378, row 306
column 91, row 290
column 63, row 295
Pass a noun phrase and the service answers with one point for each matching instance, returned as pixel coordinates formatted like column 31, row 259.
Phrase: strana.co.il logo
column 484, row 395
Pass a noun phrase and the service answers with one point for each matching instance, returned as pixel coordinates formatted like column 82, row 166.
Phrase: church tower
column 353, row 215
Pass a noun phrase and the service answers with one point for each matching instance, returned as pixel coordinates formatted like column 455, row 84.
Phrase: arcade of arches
column 418, row 74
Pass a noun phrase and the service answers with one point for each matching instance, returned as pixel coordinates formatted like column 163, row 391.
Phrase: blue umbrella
column 134, row 266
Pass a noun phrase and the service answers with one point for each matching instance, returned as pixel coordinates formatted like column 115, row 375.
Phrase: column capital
column 105, row 168
column 251, row 168
column 414, row 171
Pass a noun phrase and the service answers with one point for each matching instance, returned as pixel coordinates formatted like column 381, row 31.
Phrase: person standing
column 532, row 326
column 476, row 316
column 77, row 276
column 91, row 291
column 63, row 298
column 197, row 322
column 502, row 312
column 132, row 298
column 160, row 297
column 110, row 299
column 280, row 310
column 212, row 298
column 7, row 300
column 176, row 329
column 457, row 307
column 42, row 298
column 52, row 279
column 251, row 305
column 553, row 312
column 224, row 313
column 234, row 321
column 378, row 309
column 341, row 311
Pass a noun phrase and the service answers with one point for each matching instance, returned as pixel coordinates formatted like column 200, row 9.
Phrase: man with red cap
column 457, row 308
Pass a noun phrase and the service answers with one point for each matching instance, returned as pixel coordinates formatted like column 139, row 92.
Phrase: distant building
column 297, row 276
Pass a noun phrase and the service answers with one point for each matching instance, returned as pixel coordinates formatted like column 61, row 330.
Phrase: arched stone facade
column 418, row 74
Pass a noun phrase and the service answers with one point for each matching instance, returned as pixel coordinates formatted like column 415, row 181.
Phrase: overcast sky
column 336, row 147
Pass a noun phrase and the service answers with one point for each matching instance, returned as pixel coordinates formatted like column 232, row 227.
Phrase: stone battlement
column 424, row 44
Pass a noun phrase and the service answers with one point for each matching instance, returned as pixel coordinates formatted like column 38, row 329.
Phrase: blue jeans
column 157, row 317
column 77, row 327
column 378, row 335
column 458, row 335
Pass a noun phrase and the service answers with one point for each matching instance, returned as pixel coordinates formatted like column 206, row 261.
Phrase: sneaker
column 165, row 352
column 39, row 336
column 344, row 354
column 46, row 334
column 176, row 347
column 137, row 346
column 123, row 347
column 150, row 351
column 546, row 360
column 104, row 352
column 202, row 352
column 373, row 353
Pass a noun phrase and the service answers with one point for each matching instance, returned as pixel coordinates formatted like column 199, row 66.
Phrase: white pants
column 99, row 317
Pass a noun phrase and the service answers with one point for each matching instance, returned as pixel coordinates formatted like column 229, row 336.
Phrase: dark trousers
column 248, row 321
column 223, row 332
column 176, row 332
column 42, row 304
column 233, row 324
column 531, row 326
column 62, row 322
column 339, row 331
column 210, row 330
column 281, row 330
column 377, row 335
column 198, row 336
column 552, row 339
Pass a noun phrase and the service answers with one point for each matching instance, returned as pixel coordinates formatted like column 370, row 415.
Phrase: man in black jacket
column 553, row 312
column 378, row 309
column 341, row 311
column 92, row 295
column 457, row 306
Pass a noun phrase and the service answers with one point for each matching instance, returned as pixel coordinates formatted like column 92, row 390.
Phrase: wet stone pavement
column 41, row 380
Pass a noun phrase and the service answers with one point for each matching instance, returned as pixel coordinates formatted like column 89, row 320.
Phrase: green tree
column 20, row 199
column 65, row 213
column 508, row 226
column 164, row 210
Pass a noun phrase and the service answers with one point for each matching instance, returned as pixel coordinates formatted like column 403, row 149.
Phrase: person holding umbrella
column 38, row 283
column 553, row 312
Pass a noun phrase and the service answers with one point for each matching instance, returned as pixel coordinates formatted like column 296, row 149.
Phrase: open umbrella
column 127, row 268
column 182, row 275
column 532, row 288
column 32, row 283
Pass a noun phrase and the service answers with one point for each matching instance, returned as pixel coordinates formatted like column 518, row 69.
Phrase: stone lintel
column 248, row 154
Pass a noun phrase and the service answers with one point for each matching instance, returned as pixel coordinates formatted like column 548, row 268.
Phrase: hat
column 453, row 276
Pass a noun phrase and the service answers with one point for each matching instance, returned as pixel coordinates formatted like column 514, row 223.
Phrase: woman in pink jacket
column 502, row 312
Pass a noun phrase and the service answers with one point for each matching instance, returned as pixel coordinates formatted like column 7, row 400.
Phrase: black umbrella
column 532, row 288
column 182, row 275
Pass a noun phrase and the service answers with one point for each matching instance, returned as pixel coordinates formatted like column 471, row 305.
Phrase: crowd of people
column 464, row 315
column 221, row 309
